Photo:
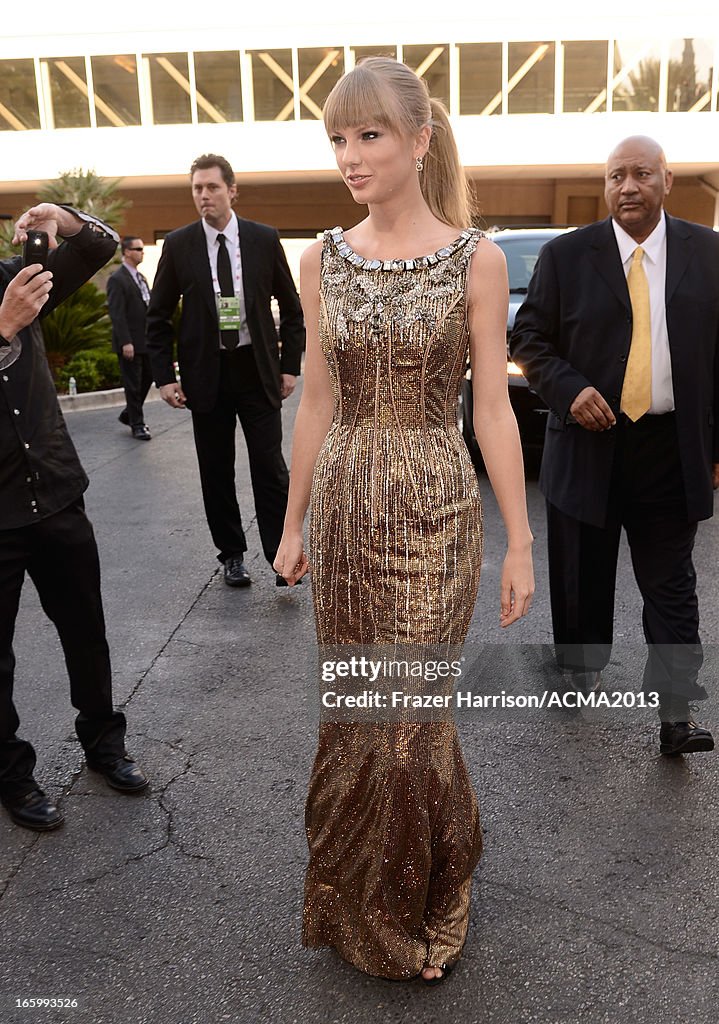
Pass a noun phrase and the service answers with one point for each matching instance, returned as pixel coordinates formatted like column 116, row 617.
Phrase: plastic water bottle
column 72, row 387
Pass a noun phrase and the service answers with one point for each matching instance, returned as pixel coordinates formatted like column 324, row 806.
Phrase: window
column 480, row 78
column 114, row 82
column 320, row 69
column 272, row 85
column 531, row 78
column 170, row 84
column 431, row 62
column 68, row 92
column 219, row 96
column 585, row 76
column 636, row 75
column 18, row 95
column 690, row 75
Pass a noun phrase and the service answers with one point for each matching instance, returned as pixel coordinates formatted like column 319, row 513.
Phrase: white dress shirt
column 139, row 280
column 655, row 267
column 231, row 231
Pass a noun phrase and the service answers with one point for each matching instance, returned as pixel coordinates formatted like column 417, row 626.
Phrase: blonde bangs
column 362, row 98
column 383, row 92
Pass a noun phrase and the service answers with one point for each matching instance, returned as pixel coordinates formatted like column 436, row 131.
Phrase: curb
column 100, row 399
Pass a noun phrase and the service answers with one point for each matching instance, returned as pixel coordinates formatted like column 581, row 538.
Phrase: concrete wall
column 307, row 207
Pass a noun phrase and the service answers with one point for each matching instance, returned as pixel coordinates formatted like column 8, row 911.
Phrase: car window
column 521, row 255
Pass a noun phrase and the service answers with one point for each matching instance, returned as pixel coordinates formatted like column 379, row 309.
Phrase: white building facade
column 537, row 99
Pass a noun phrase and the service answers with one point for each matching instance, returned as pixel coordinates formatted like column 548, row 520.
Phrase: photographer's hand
column 24, row 297
column 50, row 218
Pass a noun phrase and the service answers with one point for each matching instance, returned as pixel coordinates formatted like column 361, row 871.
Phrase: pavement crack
column 14, row 871
column 171, row 636
column 170, row 838
column 176, row 746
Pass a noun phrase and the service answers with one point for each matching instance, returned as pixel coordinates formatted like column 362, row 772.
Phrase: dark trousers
column 60, row 555
column 646, row 498
column 136, row 376
column 242, row 397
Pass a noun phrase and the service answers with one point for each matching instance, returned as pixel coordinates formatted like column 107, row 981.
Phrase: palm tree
column 7, row 249
column 81, row 322
column 87, row 191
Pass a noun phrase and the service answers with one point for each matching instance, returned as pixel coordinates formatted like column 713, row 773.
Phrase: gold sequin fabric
column 395, row 545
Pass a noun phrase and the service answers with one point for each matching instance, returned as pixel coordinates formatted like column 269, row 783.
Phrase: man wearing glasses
column 128, row 295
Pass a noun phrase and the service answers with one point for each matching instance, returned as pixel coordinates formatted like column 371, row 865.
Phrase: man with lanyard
column 232, row 366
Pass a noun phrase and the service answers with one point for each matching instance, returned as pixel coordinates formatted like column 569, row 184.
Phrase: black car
column 521, row 247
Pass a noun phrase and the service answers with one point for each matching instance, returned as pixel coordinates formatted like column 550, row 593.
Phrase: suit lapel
column 130, row 279
column 248, row 255
column 680, row 247
column 197, row 255
column 134, row 285
column 605, row 257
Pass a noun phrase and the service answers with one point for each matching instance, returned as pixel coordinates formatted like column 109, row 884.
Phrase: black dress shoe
column 684, row 738
column 280, row 581
column 34, row 810
column 236, row 575
column 583, row 682
column 141, row 433
column 123, row 774
column 124, row 418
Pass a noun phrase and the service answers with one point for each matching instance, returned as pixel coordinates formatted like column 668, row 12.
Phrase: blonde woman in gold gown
column 395, row 540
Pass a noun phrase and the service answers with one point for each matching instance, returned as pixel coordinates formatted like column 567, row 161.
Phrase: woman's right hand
column 291, row 562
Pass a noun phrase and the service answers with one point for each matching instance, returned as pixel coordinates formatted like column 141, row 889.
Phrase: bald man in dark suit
column 619, row 335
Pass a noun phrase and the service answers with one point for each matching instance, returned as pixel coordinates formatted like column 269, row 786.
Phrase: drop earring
column 419, row 164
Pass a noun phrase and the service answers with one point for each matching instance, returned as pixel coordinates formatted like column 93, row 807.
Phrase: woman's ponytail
column 443, row 181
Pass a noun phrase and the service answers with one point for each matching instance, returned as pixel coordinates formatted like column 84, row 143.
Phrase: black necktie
column 226, row 281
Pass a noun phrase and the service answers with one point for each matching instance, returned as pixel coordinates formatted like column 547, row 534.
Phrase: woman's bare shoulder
column 489, row 254
column 311, row 258
column 488, row 266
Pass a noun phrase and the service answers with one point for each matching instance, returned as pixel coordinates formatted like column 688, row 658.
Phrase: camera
column 35, row 249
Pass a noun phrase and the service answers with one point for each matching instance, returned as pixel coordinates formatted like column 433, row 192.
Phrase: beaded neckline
column 346, row 251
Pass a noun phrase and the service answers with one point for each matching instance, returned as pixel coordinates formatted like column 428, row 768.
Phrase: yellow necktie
column 637, row 389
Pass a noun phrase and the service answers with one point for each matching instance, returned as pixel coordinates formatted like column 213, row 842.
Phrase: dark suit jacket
column 574, row 330
column 127, row 311
column 184, row 270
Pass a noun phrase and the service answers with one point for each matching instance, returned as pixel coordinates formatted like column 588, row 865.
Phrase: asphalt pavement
column 595, row 900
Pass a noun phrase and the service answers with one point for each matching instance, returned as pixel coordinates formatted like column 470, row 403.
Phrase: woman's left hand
column 291, row 562
column 517, row 585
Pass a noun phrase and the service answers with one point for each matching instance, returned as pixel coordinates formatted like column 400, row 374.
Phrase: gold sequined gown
column 395, row 551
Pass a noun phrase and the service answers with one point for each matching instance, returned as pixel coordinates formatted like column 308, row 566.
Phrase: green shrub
column 108, row 368
column 94, row 370
column 81, row 322
column 83, row 368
